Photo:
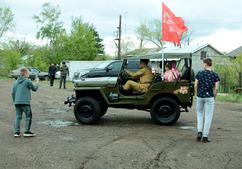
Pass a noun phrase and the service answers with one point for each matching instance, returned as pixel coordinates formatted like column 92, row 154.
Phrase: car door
column 34, row 71
column 31, row 73
column 113, row 69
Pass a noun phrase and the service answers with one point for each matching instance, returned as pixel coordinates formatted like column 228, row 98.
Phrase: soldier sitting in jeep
column 144, row 75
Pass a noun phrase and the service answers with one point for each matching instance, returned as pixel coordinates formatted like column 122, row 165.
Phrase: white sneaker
column 16, row 134
column 29, row 134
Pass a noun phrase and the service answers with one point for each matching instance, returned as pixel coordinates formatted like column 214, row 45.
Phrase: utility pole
column 119, row 38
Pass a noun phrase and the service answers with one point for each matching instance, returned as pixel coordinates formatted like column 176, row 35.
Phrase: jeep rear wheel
column 165, row 111
column 87, row 110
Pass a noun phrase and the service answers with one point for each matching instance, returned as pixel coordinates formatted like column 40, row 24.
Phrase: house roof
column 169, row 52
column 235, row 52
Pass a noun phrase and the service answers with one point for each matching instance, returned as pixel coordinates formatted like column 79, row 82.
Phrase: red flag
column 172, row 26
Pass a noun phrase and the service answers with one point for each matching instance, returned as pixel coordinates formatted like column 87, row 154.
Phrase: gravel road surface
column 122, row 138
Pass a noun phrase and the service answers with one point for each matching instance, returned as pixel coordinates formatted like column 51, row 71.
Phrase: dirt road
column 122, row 138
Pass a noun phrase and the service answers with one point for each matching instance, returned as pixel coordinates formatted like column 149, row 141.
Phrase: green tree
column 80, row 44
column 47, row 22
column 10, row 59
column 6, row 20
column 41, row 58
column 234, row 69
column 141, row 33
column 23, row 47
column 151, row 31
column 99, row 45
column 127, row 45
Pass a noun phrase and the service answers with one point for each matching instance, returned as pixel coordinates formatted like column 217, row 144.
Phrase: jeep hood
column 97, row 82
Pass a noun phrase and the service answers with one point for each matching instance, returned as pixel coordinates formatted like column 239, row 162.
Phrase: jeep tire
column 87, row 110
column 104, row 109
column 165, row 110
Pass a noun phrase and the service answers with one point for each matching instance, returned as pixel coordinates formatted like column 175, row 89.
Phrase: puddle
column 55, row 111
column 188, row 128
column 58, row 123
column 67, row 138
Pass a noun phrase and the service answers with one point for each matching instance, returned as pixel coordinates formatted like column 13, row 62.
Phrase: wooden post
column 119, row 39
column 224, row 82
column 240, row 79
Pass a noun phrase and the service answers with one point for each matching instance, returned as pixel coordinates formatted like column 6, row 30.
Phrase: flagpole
column 162, row 71
column 162, row 61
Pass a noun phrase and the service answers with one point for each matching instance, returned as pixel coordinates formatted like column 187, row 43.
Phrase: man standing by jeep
column 52, row 71
column 64, row 71
column 144, row 75
column 205, row 81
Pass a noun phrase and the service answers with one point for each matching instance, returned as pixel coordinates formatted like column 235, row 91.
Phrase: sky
column 216, row 22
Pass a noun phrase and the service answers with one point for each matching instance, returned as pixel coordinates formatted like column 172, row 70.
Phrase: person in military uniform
column 144, row 75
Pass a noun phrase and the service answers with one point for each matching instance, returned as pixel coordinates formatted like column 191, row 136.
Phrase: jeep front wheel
column 165, row 110
column 87, row 110
column 104, row 109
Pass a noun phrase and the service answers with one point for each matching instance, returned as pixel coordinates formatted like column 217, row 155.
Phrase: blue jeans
column 208, row 104
column 64, row 81
column 28, row 119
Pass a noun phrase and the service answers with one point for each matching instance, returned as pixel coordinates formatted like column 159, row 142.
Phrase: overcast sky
column 216, row 22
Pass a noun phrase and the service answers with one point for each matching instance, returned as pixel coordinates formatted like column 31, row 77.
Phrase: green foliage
column 83, row 42
column 47, row 21
column 10, row 58
column 141, row 33
column 236, row 67
column 23, row 47
column 42, row 58
column 228, row 72
column 103, row 57
column 6, row 20
column 150, row 31
column 99, row 45
column 127, row 45
column 80, row 44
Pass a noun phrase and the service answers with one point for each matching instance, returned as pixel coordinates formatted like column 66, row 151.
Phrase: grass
column 230, row 97
column 56, row 82
column 1, row 77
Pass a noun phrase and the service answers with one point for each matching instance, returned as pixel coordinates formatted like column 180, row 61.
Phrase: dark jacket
column 52, row 70
column 21, row 90
column 64, row 70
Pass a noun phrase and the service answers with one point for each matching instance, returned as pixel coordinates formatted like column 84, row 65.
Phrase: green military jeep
column 164, row 100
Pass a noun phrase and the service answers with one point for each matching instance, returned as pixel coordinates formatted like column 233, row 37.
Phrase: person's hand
column 37, row 80
column 125, row 70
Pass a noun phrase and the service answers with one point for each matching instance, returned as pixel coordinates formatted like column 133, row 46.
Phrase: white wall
column 79, row 65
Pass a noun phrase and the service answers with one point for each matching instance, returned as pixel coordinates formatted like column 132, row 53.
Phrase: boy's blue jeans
column 208, row 104
column 28, row 120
